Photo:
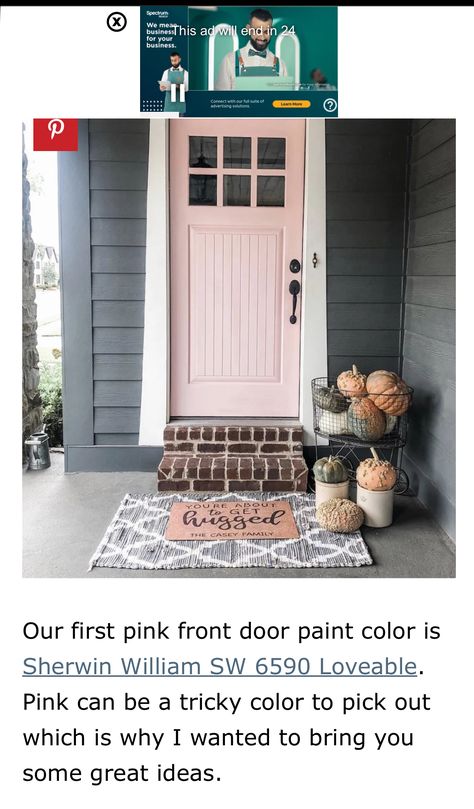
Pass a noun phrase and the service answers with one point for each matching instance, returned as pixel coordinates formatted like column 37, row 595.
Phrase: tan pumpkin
column 388, row 392
column 365, row 420
column 340, row 515
column 375, row 474
column 352, row 383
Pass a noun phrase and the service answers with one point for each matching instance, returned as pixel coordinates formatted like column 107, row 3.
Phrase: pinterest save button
column 292, row 104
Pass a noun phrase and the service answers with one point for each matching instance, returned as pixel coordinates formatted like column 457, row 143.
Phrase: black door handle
column 294, row 288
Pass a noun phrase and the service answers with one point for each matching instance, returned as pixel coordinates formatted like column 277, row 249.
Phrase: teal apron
column 174, row 77
column 241, row 70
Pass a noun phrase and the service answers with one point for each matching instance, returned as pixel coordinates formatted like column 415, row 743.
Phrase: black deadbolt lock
column 295, row 265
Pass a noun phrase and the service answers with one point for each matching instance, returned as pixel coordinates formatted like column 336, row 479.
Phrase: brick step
column 233, row 440
column 217, row 473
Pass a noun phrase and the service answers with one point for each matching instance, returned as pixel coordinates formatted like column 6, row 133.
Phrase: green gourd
column 330, row 470
column 330, row 399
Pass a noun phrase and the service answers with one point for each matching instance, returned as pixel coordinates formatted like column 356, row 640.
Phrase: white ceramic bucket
column 377, row 507
column 326, row 491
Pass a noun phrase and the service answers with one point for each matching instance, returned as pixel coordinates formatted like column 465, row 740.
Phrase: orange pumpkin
column 365, row 420
column 388, row 392
column 352, row 383
column 376, row 475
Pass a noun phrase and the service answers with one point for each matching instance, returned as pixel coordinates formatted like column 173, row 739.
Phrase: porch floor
column 65, row 517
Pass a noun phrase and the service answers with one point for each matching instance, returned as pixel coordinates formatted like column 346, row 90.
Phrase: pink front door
column 236, row 202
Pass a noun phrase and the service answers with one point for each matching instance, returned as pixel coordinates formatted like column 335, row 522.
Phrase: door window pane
column 202, row 152
column 271, row 153
column 237, row 153
column 236, row 189
column 271, row 191
column 202, row 189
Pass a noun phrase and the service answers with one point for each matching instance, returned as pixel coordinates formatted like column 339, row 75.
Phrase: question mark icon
column 330, row 105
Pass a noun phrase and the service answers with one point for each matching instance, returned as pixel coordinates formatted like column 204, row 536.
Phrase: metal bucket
column 38, row 451
column 377, row 507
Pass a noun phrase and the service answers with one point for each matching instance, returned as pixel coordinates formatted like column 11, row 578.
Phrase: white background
column 394, row 62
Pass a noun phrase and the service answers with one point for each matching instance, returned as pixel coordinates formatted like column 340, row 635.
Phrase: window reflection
column 236, row 189
column 202, row 152
column 202, row 189
column 270, row 191
column 237, row 153
column 271, row 153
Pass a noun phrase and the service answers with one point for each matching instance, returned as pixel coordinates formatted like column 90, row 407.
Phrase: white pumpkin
column 334, row 423
column 390, row 423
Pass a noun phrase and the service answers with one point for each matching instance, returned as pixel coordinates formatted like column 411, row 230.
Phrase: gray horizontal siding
column 118, row 153
column 365, row 209
column 115, row 145
column 118, row 204
column 118, row 287
column 125, row 125
column 364, row 178
column 123, row 258
column 120, row 232
column 363, row 341
column 431, row 290
column 431, row 136
column 113, row 458
column 117, row 340
column 118, row 366
column 111, row 439
column 432, row 228
column 429, row 327
column 432, row 166
column 116, row 419
column 359, row 206
column 440, row 324
column 363, row 316
column 116, row 313
column 367, row 148
column 364, row 234
column 364, row 289
column 363, row 261
column 436, row 196
column 432, row 259
column 117, row 394
column 116, row 175
column 368, row 126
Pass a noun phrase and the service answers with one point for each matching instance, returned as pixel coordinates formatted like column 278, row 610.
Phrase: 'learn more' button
column 292, row 104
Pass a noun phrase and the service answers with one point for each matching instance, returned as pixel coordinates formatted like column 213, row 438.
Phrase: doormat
column 136, row 539
column 231, row 519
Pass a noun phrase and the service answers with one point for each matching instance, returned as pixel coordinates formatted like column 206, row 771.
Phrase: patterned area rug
column 136, row 539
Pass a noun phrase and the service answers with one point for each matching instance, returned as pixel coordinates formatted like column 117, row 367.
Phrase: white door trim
column 154, row 414
column 314, row 361
column 155, row 375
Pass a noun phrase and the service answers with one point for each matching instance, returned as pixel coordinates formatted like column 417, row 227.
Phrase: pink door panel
column 236, row 199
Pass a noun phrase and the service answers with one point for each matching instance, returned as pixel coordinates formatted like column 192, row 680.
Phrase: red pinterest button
column 55, row 134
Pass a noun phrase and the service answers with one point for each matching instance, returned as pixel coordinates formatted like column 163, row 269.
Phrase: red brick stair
column 216, row 458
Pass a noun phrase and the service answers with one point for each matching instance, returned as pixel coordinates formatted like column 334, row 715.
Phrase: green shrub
column 50, row 388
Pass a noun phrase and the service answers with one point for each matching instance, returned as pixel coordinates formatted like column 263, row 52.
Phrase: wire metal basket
column 338, row 417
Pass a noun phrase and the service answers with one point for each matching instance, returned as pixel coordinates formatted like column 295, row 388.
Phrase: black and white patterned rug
column 135, row 539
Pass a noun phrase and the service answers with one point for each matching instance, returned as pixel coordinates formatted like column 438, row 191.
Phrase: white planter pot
column 326, row 491
column 377, row 507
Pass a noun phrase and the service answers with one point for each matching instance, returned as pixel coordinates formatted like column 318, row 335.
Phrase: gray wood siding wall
column 429, row 351
column 118, row 174
column 365, row 204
